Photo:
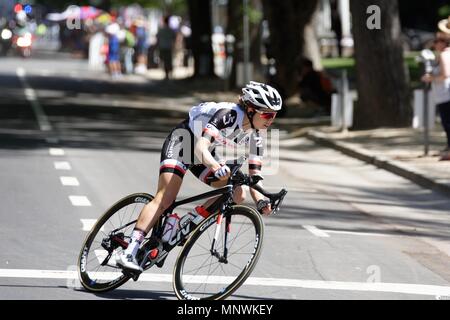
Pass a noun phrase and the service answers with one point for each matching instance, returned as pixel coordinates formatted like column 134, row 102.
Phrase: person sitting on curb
column 315, row 87
column 440, row 80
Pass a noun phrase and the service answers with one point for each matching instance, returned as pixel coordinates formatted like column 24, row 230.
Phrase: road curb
column 392, row 166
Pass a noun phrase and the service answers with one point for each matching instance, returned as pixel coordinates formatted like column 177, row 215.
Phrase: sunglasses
column 266, row 115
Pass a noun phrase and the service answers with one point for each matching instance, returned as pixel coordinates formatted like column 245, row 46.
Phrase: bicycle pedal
column 161, row 263
column 135, row 277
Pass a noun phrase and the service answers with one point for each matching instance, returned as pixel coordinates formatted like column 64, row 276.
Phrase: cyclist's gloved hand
column 223, row 173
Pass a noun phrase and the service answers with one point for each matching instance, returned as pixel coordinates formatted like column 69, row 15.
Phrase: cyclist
column 192, row 146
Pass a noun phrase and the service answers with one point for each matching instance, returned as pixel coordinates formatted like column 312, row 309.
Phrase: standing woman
column 440, row 80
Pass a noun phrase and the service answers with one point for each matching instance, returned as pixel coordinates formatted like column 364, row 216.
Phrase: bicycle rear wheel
column 97, row 267
column 199, row 274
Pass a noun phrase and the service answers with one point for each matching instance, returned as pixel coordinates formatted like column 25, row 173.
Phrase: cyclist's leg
column 168, row 187
column 171, row 174
column 203, row 173
column 172, row 171
column 238, row 197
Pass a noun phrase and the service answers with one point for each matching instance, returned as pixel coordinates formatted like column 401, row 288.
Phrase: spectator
column 166, row 39
column 314, row 86
column 141, row 46
column 336, row 24
column 114, row 50
column 187, row 44
column 128, row 50
column 440, row 80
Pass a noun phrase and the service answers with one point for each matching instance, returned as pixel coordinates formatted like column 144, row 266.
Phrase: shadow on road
column 156, row 295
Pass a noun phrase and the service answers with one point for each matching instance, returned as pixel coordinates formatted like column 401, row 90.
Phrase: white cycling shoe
column 127, row 261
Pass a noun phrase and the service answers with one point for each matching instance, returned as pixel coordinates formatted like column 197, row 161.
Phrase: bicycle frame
column 225, row 193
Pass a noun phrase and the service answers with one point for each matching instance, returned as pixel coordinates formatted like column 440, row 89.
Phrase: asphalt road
column 72, row 143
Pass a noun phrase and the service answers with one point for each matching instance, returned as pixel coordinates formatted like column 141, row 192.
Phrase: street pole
column 246, row 38
column 426, row 129
column 427, row 57
column 344, row 99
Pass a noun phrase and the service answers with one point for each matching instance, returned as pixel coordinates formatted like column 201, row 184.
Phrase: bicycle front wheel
column 109, row 237
column 201, row 275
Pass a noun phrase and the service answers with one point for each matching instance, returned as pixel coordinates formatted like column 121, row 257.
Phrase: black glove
column 261, row 205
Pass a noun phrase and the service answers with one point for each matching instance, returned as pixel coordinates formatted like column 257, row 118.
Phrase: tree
column 235, row 28
column 200, row 17
column 380, row 71
column 287, row 20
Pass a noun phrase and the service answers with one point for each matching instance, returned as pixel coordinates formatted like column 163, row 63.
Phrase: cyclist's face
column 263, row 120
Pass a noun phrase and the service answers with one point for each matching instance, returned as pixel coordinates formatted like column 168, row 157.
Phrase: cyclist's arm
column 223, row 119
column 255, row 162
column 202, row 152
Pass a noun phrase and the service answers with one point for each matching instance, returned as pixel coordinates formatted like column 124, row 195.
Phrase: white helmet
column 262, row 96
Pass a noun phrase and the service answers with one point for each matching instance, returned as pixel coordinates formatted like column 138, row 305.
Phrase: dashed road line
column 325, row 233
column 317, row 232
column 56, row 152
column 368, row 234
column 69, row 181
column 62, row 165
column 402, row 288
column 80, row 201
column 30, row 94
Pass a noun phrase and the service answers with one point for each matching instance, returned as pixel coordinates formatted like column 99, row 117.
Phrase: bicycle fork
column 214, row 252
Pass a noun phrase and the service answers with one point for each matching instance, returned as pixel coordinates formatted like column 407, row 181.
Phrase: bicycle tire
column 207, row 226
column 87, row 282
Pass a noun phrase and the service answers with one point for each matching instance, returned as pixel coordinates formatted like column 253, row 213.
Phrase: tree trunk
column 200, row 17
column 287, row 20
column 380, row 71
column 235, row 27
column 312, row 50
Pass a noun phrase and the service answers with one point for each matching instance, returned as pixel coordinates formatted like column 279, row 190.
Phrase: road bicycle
column 218, row 252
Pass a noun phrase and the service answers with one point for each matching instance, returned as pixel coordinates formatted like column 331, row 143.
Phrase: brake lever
column 277, row 200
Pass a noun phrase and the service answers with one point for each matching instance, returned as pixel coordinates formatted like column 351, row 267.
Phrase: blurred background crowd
column 122, row 40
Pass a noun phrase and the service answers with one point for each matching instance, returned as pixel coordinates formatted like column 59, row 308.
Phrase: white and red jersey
column 222, row 124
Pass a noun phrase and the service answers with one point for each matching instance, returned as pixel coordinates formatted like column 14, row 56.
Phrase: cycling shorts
column 177, row 155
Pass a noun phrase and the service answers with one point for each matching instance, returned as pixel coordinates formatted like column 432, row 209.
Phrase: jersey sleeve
column 256, row 153
column 222, row 119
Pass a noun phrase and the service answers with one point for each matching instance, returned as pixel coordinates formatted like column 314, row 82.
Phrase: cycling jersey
column 222, row 125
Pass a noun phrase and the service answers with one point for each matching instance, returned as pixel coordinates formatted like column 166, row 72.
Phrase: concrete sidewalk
column 400, row 151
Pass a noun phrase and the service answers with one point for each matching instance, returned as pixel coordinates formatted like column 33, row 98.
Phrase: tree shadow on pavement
column 156, row 295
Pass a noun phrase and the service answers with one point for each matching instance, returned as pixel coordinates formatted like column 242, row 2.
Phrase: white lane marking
column 62, row 165
column 57, row 152
column 369, row 234
column 317, row 232
column 88, row 224
column 416, row 289
column 30, row 94
column 80, row 201
column 69, row 181
column 45, row 72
